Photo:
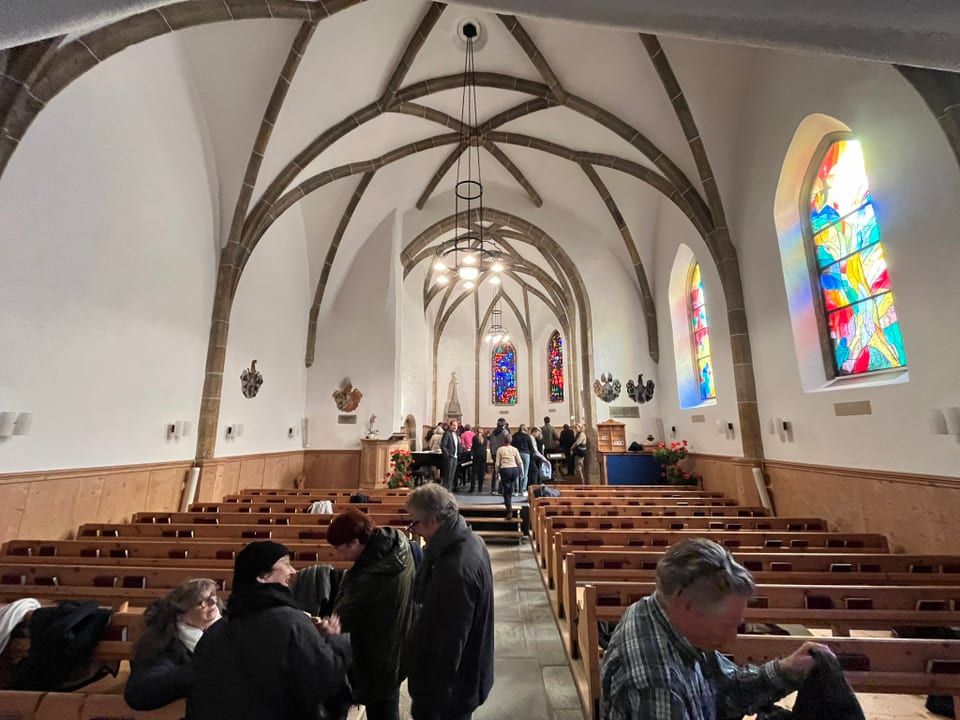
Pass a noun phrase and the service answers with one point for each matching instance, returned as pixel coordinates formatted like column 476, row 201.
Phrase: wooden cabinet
column 611, row 437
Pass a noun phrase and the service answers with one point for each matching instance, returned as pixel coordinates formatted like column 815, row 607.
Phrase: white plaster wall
column 415, row 354
column 108, row 267
column 915, row 184
column 358, row 339
column 268, row 324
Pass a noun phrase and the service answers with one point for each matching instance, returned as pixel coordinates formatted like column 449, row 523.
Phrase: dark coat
column 375, row 607
column 522, row 442
column 450, row 444
column 450, row 653
column 62, row 641
column 824, row 694
column 567, row 436
column 266, row 661
column 160, row 679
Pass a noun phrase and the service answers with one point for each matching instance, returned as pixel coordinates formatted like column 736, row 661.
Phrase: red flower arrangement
column 400, row 475
column 669, row 458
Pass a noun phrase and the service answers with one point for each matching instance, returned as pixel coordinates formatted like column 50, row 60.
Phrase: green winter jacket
column 374, row 605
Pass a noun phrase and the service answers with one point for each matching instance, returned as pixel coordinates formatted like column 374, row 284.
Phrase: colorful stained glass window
column 555, row 366
column 852, row 271
column 701, row 336
column 504, row 374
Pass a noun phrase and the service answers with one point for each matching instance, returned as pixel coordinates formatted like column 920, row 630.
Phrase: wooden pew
column 237, row 518
column 282, row 508
column 872, row 665
column 551, row 524
column 112, row 586
column 184, row 552
column 160, row 579
column 543, row 508
column 340, row 492
column 839, row 608
column 21, row 705
column 560, row 542
column 597, row 566
column 247, row 532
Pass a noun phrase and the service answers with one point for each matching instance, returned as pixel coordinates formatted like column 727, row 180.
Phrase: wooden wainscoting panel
column 251, row 471
column 51, row 505
column 13, row 500
column 731, row 476
column 121, row 493
column 165, row 489
column 295, row 464
column 332, row 468
column 275, row 471
column 917, row 513
column 230, row 480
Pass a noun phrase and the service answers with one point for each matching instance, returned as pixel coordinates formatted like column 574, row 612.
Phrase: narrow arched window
column 504, row 374
column 700, row 334
column 858, row 321
column 555, row 366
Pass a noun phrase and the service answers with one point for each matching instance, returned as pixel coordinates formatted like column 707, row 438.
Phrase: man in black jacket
column 450, row 447
column 567, row 436
column 267, row 660
column 449, row 657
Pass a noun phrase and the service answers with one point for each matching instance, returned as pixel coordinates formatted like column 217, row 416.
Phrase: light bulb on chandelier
column 442, row 279
column 467, row 272
column 494, row 280
column 468, row 285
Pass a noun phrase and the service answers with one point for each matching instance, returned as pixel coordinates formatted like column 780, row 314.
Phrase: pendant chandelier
column 468, row 255
column 497, row 333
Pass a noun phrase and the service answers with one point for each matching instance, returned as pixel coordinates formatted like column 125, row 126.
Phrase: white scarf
column 189, row 635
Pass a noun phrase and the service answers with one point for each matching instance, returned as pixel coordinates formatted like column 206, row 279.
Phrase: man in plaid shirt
column 662, row 661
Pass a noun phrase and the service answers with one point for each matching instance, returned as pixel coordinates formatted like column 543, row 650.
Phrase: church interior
column 258, row 246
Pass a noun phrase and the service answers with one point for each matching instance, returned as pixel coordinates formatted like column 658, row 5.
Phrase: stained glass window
column 861, row 320
column 701, row 336
column 504, row 374
column 555, row 366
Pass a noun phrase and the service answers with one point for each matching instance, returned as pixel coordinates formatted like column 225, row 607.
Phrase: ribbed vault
column 34, row 74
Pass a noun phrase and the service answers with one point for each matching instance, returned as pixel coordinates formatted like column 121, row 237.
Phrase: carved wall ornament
column 607, row 388
column 640, row 392
column 347, row 396
column 250, row 380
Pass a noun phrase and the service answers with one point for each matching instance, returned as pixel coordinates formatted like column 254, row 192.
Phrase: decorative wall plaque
column 250, row 380
column 639, row 392
column 607, row 388
column 624, row 411
column 347, row 396
column 346, row 419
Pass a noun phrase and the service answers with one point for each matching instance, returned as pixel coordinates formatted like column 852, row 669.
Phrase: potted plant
column 400, row 474
column 669, row 459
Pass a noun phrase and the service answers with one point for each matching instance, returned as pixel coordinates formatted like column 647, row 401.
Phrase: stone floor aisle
column 532, row 679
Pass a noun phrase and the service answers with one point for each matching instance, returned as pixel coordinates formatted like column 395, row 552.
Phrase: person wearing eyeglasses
column 162, row 667
column 662, row 662
column 267, row 659
column 374, row 606
column 449, row 655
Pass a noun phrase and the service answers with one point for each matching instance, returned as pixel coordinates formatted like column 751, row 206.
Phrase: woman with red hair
column 373, row 604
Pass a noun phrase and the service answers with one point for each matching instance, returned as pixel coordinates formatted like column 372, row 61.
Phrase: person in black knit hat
column 267, row 660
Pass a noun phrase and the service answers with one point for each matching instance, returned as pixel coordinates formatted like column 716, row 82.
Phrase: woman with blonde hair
column 579, row 451
column 162, row 666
